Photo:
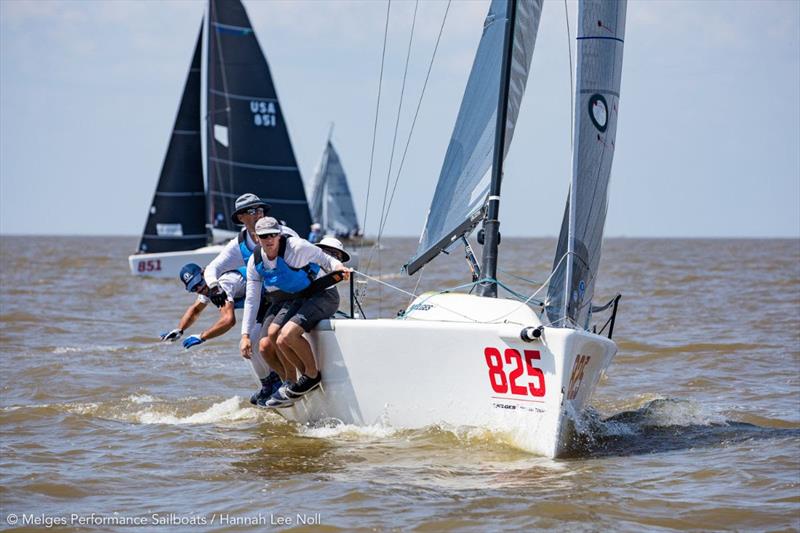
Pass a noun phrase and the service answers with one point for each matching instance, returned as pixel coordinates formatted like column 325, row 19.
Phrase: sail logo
column 598, row 111
column 264, row 113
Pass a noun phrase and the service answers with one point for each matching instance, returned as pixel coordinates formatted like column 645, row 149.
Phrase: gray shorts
column 279, row 313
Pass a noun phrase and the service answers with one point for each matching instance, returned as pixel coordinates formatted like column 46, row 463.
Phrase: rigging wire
column 396, row 128
column 375, row 126
column 416, row 114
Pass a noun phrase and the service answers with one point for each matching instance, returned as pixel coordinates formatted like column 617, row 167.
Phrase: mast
column 491, row 226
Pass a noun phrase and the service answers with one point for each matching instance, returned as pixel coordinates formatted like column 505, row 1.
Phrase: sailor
column 248, row 208
column 287, row 267
column 333, row 247
column 316, row 233
column 233, row 285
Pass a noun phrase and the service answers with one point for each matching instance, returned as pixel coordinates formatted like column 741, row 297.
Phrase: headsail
column 177, row 219
column 465, row 177
column 248, row 143
column 331, row 200
column 601, row 33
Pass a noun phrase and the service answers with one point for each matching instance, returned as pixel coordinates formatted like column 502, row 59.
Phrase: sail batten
column 462, row 188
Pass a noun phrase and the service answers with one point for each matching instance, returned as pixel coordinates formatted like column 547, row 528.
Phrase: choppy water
column 697, row 425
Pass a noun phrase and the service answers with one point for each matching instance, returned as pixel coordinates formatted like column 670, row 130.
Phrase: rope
column 375, row 126
column 416, row 113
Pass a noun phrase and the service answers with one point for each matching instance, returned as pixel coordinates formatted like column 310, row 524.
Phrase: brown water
column 697, row 425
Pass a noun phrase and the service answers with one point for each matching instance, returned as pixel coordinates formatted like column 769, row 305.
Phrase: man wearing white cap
column 288, row 266
column 248, row 208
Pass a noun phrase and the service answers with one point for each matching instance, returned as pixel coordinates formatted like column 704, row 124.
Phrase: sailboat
column 331, row 201
column 522, row 367
column 247, row 149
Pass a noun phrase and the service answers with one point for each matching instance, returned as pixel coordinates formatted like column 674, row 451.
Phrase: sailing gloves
column 192, row 340
column 172, row 336
column 217, row 296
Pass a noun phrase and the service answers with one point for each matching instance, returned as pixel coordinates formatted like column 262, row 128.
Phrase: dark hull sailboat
column 248, row 150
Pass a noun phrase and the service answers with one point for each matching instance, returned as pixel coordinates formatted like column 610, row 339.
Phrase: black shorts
column 305, row 312
column 313, row 309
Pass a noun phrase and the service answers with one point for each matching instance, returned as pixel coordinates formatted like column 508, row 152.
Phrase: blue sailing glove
column 192, row 340
column 172, row 336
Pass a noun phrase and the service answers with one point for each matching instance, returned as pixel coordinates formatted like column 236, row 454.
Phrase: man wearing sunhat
column 288, row 266
column 233, row 286
column 248, row 208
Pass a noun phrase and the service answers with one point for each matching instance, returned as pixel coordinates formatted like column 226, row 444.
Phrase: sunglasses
column 268, row 236
column 253, row 211
column 198, row 287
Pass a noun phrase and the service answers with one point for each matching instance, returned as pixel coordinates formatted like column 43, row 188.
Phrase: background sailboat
column 331, row 200
column 502, row 364
column 247, row 150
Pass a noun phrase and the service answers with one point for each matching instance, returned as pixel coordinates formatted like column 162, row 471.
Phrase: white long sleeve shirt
column 299, row 253
column 230, row 258
column 232, row 284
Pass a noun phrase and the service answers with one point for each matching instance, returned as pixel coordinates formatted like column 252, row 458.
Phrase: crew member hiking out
column 290, row 270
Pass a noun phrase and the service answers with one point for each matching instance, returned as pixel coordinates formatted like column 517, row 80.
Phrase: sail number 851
column 505, row 383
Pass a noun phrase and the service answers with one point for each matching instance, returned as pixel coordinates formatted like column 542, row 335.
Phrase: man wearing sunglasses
column 233, row 285
column 288, row 266
column 248, row 208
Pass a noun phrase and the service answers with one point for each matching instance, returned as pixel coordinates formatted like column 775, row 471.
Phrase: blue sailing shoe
column 269, row 385
column 279, row 400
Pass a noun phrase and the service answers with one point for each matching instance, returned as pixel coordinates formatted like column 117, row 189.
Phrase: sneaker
column 278, row 386
column 279, row 401
column 303, row 386
column 268, row 387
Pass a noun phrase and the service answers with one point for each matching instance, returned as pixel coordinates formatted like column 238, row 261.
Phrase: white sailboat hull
column 169, row 264
column 414, row 372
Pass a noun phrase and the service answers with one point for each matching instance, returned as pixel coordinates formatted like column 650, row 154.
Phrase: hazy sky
column 708, row 139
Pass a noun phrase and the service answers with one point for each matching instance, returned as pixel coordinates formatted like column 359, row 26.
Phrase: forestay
column 601, row 33
column 331, row 201
column 248, row 146
column 464, row 180
column 177, row 219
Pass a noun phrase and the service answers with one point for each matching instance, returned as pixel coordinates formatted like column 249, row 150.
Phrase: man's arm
column 303, row 253
column 229, row 258
column 191, row 314
column 227, row 319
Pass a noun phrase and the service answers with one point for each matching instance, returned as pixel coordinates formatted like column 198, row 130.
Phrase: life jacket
column 287, row 279
column 245, row 251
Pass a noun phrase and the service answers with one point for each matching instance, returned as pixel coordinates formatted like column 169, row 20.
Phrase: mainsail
column 464, row 180
column 248, row 146
column 177, row 219
column 331, row 201
column 601, row 33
